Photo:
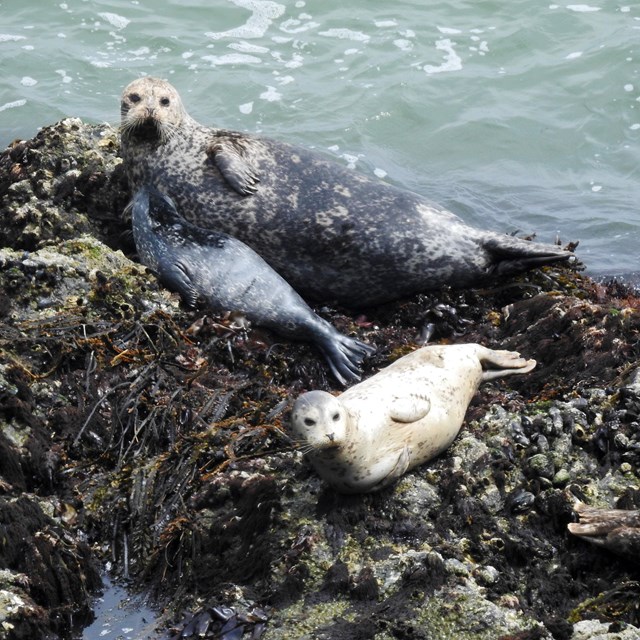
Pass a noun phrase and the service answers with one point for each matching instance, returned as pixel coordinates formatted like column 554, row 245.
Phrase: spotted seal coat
column 409, row 412
column 228, row 275
column 332, row 233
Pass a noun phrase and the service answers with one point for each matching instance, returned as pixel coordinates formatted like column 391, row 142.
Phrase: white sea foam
column 573, row 55
column 263, row 13
column 12, row 105
column 295, row 61
column 346, row 34
column 28, row 81
column 247, row 47
column 403, row 45
column 142, row 51
column 582, row 8
column 448, row 31
column 119, row 22
column 8, row 37
column 271, row 95
column 246, row 108
column 351, row 159
column 452, row 61
column 65, row 78
column 282, row 80
column 232, row 58
column 297, row 26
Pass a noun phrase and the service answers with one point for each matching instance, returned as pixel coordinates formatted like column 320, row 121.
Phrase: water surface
column 517, row 116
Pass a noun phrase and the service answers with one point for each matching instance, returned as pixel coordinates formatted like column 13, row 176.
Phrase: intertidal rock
column 139, row 433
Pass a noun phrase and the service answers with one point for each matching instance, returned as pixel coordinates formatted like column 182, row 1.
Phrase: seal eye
column 134, row 97
column 165, row 102
column 309, row 422
column 335, row 417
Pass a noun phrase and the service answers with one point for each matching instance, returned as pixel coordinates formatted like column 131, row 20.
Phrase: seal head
column 322, row 422
column 151, row 111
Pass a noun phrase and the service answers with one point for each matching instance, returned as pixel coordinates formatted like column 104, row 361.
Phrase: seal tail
column 344, row 356
column 512, row 255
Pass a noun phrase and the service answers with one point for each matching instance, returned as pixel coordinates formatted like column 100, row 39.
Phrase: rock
column 137, row 432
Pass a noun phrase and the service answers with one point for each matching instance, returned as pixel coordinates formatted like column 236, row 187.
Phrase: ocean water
column 520, row 116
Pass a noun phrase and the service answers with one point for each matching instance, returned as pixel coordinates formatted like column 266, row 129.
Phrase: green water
column 519, row 115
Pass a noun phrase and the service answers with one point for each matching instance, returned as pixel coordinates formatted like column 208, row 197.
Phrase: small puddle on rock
column 121, row 616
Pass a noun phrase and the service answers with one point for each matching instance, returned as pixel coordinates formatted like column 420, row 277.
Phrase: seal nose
column 331, row 436
column 150, row 107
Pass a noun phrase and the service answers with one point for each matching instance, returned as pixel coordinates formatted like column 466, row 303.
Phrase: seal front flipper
column 228, row 153
column 176, row 278
column 409, row 408
column 397, row 471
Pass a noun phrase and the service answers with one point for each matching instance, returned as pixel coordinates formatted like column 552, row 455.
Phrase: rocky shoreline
column 139, row 433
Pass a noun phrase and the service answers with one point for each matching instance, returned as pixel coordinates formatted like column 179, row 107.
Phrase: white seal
column 409, row 412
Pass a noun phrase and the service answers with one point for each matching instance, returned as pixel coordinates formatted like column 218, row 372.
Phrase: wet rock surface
column 135, row 432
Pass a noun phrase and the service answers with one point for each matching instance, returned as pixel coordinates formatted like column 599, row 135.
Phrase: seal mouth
column 143, row 130
column 147, row 129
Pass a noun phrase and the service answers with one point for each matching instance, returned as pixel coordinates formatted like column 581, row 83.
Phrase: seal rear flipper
column 228, row 154
column 344, row 356
column 512, row 255
column 505, row 363
column 601, row 522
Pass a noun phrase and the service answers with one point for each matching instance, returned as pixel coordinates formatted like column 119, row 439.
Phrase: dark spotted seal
column 332, row 233
column 409, row 412
column 228, row 275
